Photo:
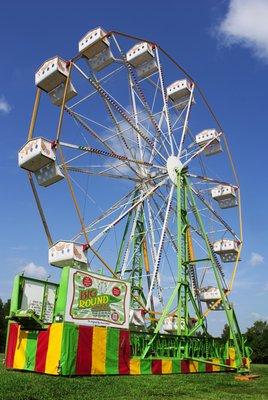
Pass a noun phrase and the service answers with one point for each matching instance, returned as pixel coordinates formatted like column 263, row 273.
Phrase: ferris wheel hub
column 174, row 165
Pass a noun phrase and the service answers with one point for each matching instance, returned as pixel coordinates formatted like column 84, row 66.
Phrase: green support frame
column 186, row 336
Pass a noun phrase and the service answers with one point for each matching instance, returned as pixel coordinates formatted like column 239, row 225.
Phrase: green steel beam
column 188, row 346
column 121, row 248
column 234, row 328
column 182, row 290
column 196, row 261
column 162, row 318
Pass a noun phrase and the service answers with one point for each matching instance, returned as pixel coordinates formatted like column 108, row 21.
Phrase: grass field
column 30, row 386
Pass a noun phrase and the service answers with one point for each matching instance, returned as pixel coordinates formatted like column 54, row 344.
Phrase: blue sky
column 222, row 44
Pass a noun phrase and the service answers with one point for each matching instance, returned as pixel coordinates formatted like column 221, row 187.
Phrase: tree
column 257, row 339
column 226, row 333
column 2, row 326
column 4, row 311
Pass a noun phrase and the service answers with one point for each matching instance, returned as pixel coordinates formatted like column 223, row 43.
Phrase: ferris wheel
column 132, row 137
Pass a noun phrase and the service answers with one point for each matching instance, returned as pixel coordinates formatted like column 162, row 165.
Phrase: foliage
column 257, row 339
column 226, row 332
column 4, row 311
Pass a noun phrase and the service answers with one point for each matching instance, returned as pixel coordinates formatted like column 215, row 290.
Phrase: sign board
column 97, row 300
column 40, row 297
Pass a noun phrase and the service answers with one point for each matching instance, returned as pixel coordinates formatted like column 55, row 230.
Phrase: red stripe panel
column 124, row 352
column 209, row 367
column 157, row 366
column 185, row 366
column 11, row 344
column 41, row 350
column 84, row 350
column 227, row 362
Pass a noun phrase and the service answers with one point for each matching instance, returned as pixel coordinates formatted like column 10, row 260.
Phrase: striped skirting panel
column 69, row 349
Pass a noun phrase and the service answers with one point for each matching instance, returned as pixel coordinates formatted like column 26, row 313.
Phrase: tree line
column 256, row 336
column 4, row 311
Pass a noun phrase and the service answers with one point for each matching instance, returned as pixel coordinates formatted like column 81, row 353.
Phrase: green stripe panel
column 14, row 304
column 146, row 367
column 60, row 305
column 201, row 366
column 31, row 351
column 112, row 351
column 176, row 366
column 69, row 348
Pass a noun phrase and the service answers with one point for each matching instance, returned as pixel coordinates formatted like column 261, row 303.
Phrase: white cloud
column 256, row 259
column 5, row 107
column 257, row 316
column 246, row 24
column 35, row 271
column 19, row 248
column 265, row 287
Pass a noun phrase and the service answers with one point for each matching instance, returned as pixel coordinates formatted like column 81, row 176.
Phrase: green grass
column 221, row 386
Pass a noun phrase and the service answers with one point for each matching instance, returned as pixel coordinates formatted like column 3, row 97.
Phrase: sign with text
column 40, row 297
column 97, row 300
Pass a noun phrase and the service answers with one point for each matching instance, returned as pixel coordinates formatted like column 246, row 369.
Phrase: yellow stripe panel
column 232, row 356
column 99, row 350
column 166, row 367
column 193, row 366
column 216, row 368
column 134, row 367
column 54, row 349
column 20, row 352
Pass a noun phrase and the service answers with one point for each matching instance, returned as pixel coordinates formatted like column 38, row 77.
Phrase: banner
column 97, row 300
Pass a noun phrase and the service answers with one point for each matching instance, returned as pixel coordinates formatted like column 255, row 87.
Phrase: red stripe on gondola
column 11, row 344
column 41, row 350
column 157, row 366
column 84, row 350
column 124, row 353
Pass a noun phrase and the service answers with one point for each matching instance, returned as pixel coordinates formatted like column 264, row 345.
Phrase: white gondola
column 67, row 254
column 170, row 324
column 49, row 174
column 227, row 249
column 179, row 89
column 137, row 318
column 56, row 95
column 51, row 74
column 101, row 60
column 209, row 135
column 96, row 47
column 209, row 294
column 93, row 43
column 225, row 195
column 35, row 154
column 142, row 58
column 140, row 53
column 179, row 93
column 147, row 69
